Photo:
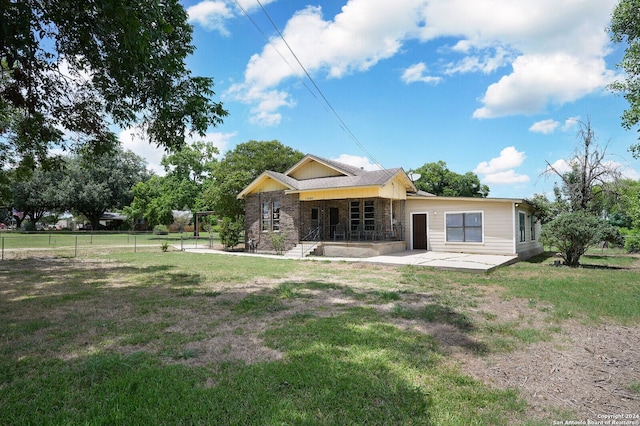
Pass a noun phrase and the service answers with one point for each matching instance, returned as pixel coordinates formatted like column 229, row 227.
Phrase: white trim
column 463, row 242
column 518, row 240
column 411, row 229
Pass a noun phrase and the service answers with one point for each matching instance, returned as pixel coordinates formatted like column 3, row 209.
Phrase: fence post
column 135, row 246
column 76, row 252
column 181, row 243
column 2, row 247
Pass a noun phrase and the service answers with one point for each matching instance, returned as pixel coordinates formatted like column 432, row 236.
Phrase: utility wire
column 343, row 125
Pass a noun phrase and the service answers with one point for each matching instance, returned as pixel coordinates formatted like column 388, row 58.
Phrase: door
column 419, row 231
column 333, row 219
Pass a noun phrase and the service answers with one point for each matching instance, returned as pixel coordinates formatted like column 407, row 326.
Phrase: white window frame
column 522, row 227
column 533, row 232
column 463, row 212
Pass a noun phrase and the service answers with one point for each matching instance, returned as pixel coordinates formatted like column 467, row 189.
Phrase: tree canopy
column 91, row 186
column 69, row 70
column 625, row 27
column 241, row 166
column 579, row 200
column 437, row 179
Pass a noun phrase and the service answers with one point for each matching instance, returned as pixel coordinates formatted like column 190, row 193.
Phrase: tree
column 625, row 27
column 180, row 188
column 241, row 166
column 37, row 194
column 437, row 179
column 579, row 200
column 590, row 175
column 93, row 185
column 572, row 233
column 81, row 66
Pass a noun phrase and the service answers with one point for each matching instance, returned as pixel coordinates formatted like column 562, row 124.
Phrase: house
column 340, row 210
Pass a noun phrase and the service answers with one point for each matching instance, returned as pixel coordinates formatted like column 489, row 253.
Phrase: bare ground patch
column 579, row 369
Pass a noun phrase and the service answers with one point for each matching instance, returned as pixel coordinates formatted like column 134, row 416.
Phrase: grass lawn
column 179, row 338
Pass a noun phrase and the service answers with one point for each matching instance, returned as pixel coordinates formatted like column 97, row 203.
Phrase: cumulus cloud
column 547, row 58
column 500, row 170
column 416, row 73
column 211, row 15
column 354, row 160
column 134, row 140
column 545, row 126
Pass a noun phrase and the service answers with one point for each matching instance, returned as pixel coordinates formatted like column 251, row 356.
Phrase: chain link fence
column 24, row 246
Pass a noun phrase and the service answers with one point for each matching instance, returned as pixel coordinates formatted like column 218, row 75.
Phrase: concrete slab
column 429, row 259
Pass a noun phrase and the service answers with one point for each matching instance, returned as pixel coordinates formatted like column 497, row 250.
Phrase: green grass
column 179, row 338
column 602, row 289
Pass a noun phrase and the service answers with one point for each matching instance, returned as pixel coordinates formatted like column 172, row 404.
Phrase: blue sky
column 491, row 86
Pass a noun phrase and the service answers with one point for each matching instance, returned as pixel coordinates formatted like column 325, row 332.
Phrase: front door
column 419, row 231
column 334, row 218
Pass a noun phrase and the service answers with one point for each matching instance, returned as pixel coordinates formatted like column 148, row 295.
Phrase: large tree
column 179, row 189
column 92, row 185
column 239, row 167
column 437, row 179
column 71, row 69
column 579, row 200
column 625, row 27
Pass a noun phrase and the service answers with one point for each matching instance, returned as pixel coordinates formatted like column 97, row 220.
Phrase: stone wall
column 289, row 216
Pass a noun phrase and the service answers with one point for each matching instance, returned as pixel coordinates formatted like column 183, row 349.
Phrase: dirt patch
column 581, row 370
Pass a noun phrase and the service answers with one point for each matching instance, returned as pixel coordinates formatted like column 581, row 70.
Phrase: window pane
column 473, row 234
column 276, row 215
column 454, row 219
column 473, row 219
column 455, row 234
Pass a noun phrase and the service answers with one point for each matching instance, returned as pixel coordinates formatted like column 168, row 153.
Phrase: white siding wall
column 498, row 225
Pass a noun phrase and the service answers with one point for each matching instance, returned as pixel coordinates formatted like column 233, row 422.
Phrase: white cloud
column 211, row 15
column 537, row 80
column 134, row 140
column 500, row 170
column 507, row 177
column 553, row 58
column 545, row 126
column 509, row 158
column 354, row 160
column 416, row 73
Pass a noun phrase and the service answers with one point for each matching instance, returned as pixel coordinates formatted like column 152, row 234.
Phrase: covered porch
column 362, row 220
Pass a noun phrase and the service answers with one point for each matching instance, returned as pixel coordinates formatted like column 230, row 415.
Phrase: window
column 266, row 216
column 522, row 227
column 464, row 227
column 369, row 216
column 271, row 216
column 533, row 227
column 275, row 224
column 354, row 215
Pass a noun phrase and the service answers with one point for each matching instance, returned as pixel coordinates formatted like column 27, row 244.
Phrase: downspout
column 513, row 228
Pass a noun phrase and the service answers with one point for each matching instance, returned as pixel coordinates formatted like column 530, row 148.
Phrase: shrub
column 160, row 230
column 632, row 242
column 573, row 233
column 230, row 232
column 164, row 246
column 278, row 240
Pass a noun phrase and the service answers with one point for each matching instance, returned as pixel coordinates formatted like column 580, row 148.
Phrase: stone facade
column 289, row 217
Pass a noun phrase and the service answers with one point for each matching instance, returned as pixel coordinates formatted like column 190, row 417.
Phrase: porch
column 352, row 220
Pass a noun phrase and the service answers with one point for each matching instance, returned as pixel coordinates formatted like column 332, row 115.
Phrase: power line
column 328, row 104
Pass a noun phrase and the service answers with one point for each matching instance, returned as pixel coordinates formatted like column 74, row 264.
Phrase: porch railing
column 378, row 232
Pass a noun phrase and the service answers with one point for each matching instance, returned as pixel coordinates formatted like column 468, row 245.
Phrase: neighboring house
column 346, row 211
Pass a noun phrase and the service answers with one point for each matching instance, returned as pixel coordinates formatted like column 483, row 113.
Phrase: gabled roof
column 347, row 177
column 342, row 168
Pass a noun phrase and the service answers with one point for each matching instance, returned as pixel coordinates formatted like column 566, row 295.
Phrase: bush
column 160, row 230
column 230, row 232
column 632, row 242
column 164, row 246
column 278, row 240
column 573, row 233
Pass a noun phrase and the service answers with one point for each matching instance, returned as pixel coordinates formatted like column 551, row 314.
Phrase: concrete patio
column 439, row 260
